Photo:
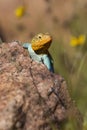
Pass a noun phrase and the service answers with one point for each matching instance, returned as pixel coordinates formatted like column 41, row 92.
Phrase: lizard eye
column 39, row 37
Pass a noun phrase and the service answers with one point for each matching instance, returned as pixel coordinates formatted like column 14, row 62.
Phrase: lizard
column 38, row 49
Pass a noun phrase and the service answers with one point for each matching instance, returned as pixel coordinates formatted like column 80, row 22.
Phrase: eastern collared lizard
column 38, row 49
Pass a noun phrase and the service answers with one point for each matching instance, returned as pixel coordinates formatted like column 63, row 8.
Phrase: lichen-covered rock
column 31, row 97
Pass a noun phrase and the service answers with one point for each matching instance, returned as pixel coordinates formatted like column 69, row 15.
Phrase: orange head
column 41, row 42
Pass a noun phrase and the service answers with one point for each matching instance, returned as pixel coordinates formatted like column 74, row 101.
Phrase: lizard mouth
column 47, row 43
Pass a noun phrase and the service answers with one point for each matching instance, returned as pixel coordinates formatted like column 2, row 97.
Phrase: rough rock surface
column 31, row 97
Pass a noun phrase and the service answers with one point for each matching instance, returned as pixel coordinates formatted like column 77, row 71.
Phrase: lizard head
column 41, row 42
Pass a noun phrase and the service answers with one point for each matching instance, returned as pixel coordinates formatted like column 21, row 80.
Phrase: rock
column 31, row 97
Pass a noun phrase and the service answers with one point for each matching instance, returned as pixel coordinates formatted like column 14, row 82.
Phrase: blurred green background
column 66, row 21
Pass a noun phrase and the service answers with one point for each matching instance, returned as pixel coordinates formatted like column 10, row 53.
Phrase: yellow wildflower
column 76, row 41
column 20, row 11
column 81, row 39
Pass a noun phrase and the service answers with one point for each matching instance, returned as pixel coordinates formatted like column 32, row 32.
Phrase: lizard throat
column 41, row 52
